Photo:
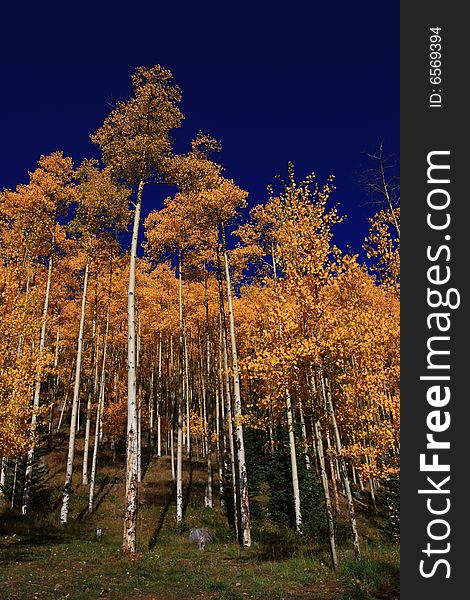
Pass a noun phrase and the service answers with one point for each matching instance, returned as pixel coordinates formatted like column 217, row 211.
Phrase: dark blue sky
column 314, row 83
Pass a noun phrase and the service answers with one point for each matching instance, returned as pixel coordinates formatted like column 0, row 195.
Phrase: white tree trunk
column 293, row 464
column 102, row 390
column 208, row 500
column 371, row 486
column 55, row 385
column 13, row 488
column 152, row 407
column 333, row 474
column 139, row 437
column 132, row 486
column 220, row 448
column 2, row 473
column 159, row 434
column 242, row 472
column 207, row 414
column 344, row 473
column 186, row 394
column 159, row 399
column 326, row 491
column 172, row 454
column 94, row 460
column 312, row 389
column 76, row 393
column 229, row 412
column 179, row 447
column 91, row 396
column 37, row 390
column 139, row 405
column 303, row 430
column 328, row 446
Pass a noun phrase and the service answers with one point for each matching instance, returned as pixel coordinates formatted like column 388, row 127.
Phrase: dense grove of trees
column 222, row 326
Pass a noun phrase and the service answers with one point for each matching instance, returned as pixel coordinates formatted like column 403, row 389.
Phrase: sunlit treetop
column 383, row 247
column 219, row 204
column 29, row 214
column 195, row 170
column 135, row 136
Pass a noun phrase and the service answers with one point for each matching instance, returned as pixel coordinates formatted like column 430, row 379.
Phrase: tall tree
column 136, row 145
column 52, row 190
column 102, row 206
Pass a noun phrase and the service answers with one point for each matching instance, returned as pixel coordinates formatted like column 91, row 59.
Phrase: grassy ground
column 40, row 560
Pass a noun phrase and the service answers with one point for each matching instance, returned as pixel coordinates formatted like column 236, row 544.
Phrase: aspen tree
column 383, row 247
column 101, row 393
column 101, row 205
column 208, row 403
column 171, row 231
column 229, row 412
column 135, row 143
column 240, row 445
column 159, row 399
column 91, row 394
column 167, row 232
column 344, row 473
column 73, row 419
column 179, row 408
column 217, row 206
column 152, row 405
column 293, row 229
column 326, row 491
column 51, row 186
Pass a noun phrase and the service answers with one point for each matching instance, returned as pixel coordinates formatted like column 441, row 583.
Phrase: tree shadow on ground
column 153, row 538
column 146, row 460
column 21, row 536
column 99, row 499
column 52, row 474
column 187, row 495
column 106, row 493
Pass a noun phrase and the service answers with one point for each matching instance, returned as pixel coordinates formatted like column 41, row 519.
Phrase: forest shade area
column 240, row 337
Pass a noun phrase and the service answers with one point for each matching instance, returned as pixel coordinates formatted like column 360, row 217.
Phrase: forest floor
column 41, row 560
